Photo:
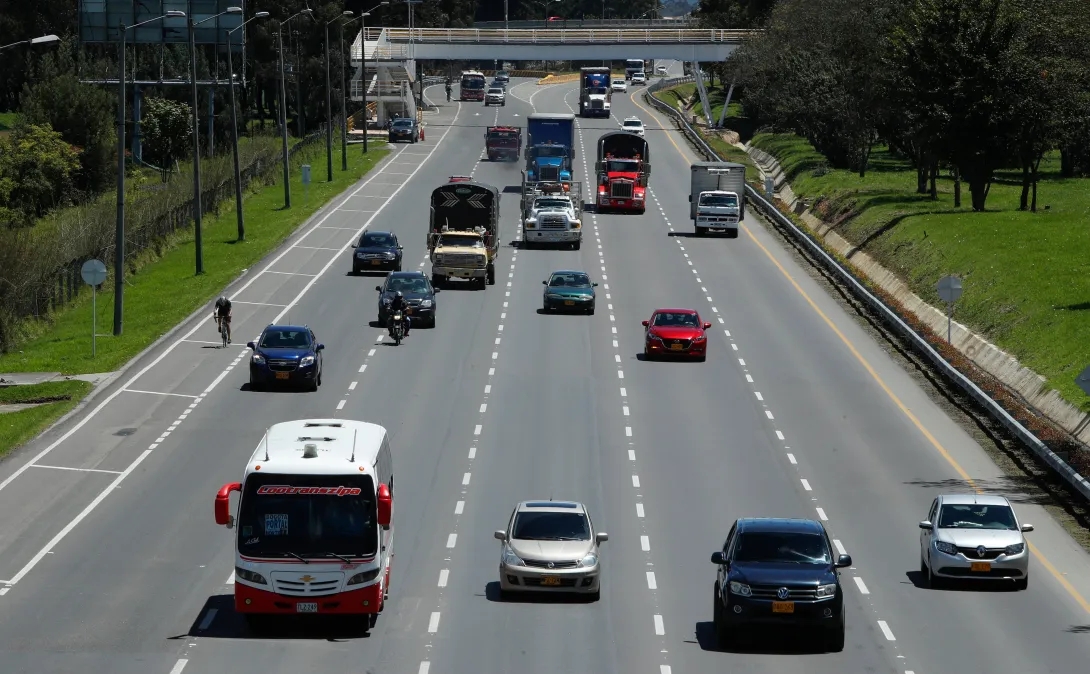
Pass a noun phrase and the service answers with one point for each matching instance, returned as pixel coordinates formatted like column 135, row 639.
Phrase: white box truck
column 717, row 197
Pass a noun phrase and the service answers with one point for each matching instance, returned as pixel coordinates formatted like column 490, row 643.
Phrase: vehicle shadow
column 640, row 356
column 758, row 641
column 269, row 388
column 919, row 581
column 217, row 620
column 459, row 285
column 378, row 273
column 492, row 593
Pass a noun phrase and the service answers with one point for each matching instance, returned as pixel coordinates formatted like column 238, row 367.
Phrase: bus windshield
column 308, row 516
column 473, row 82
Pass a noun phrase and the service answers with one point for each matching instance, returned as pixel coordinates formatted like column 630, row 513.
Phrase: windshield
column 407, row 285
column 633, row 125
column 550, row 204
column 283, row 514
column 618, row 81
column 972, row 516
column 782, row 547
column 675, row 320
column 285, row 339
column 634, row 63
column 473, row 83
column 598, row 91
column 370, row 239
column 403, row 122
column 463, row 241
column 569, row 281
column 550, row 151
column 718, row 200
column 495, row 91
column 550, row 526
column 622, row 166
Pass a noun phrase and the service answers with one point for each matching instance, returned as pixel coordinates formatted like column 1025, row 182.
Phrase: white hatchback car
column 973, row 537
column 620, row 85
column 633, row 124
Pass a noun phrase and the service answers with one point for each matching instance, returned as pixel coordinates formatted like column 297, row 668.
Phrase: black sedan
column 418, row 292
column 286, row 354
column 404, row 128
column 377, row 251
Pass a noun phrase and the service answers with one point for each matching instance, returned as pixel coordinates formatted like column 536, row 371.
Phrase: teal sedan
column 569, row 291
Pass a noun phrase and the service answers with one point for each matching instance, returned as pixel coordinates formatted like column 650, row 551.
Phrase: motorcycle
column 397, row 328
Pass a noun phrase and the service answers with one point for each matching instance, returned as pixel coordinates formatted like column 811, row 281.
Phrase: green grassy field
column 57, row 397
column 1022, row 272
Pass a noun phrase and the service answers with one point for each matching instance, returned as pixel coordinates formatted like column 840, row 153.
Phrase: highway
column 110, row 559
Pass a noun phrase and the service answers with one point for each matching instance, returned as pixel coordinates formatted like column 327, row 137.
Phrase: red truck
column 503, row 143
column 623, row 168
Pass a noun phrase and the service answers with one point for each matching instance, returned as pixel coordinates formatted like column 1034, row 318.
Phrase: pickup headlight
column 250, row 576
column 590, row 560
column 740, row 589
column 359, row 256
column 824, row 591
column 946, row 548
column 531, row 223
column 1016, row 549
column 575, row 224
column 257, row 359
column 364, row 577
column 510, row 558
column 306, row 360
column 390, row 255
column 424, row 304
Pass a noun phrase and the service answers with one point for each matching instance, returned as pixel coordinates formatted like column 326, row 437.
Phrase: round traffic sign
column 949, row 288
column 93, row 272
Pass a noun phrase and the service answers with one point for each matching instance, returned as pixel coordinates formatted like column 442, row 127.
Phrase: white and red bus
column 315, row 520
column 473, row 85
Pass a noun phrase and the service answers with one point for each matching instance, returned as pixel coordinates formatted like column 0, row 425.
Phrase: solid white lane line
column 433, row 622
column 208, row 618
column 886, row 630
column 652, row 584
column 158, row 393
column 791, row 458
column 292, row 273
column 639, row 510
column 839, row 546
column 821, row 514
column 862, row 586
column 79, row 470
column 645, row 543
column 660, row 628
column 636, row 481
column 443, row 577
column 451, row 540
column 459, row 507
column 806, row 485
column 268, row 304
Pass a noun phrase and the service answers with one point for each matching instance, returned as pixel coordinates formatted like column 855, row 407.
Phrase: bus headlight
column 364, row 577
column 250, row 576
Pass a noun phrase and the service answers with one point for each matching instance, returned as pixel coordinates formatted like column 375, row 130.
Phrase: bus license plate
column 783, row 607
column 981, row 566
column 282, row 375
column 306, row 607
column 550, row 581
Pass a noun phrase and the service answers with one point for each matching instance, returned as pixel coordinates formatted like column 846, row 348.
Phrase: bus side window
column 385, row 467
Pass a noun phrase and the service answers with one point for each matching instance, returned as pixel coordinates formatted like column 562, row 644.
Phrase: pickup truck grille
column 550, row 173
column 553, row 222
column 461, row 260
column 620, row 190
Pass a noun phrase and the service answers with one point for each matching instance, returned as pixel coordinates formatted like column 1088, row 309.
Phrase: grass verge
column 1025, row 289
column 165, row 289
column 724, row 149
column 58, row 397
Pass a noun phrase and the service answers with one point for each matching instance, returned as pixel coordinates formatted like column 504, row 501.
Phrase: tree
column 734, row 13
column 168, row 130
column 35, row 167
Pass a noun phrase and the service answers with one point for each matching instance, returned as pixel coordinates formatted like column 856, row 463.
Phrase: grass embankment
column 1024, row 274
column 56, row 399
column 678, row 97
column 7, row 121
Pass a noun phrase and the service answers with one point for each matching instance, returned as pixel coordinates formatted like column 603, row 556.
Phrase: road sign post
column 770, row 188
column 306, row 182
column 949, row 288
column 93, row 273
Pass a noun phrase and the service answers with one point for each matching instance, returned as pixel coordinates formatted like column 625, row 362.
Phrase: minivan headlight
column 510, row 558
column 590, row 560
column 826, row 591
column 740, row 589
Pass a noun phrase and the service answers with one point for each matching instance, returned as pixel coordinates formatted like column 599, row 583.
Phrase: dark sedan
column 286, row 354
column 377, row 251
column 404, row 128
column 779, row 572
column 417, row 291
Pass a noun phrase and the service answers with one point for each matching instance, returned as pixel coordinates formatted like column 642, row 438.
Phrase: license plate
column 281, row 375
column 570, row 303
column 550, row 581
column 677, row 347
column 376, row 262
column 306, row 607
column 981, row 566
column 783, row 607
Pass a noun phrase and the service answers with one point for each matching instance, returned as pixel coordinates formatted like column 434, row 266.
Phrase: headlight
column 510, row 558
column 359, row 256
column 364, row 577
column 250, row 576
column 390, row 256
column 740, row 589
column 554, row 296
column 826, row 591
column 946, row 548
column 258, row 359
column 386, row 301
column 306, row 360
column 1016, row 549
column 701, row 338
column 424, row 304
column 576, row 224
column 590, row 560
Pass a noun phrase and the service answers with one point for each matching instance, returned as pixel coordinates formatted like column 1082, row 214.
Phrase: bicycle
column 223, row 330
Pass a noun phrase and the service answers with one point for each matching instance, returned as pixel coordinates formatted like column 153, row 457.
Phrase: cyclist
column 399, row 304
column 448, row 90
column 222, row 312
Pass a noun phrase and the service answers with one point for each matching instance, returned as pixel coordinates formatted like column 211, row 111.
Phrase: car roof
column 380, row 231
column 406, row 274
column 298, row 328
column 780, row 524
column 973, row 499
column 544, row 505
column 675, row 311
column 567, row 271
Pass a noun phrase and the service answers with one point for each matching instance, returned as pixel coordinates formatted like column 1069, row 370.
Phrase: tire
column 1022, row 583
column 834, row 638
column 596, row 595
column 490, row 275
column 647, row 355
column 319, row 378
column 355, row 270
column 254, row 386
column 313, row 386
column 545, row 307
column 397, row 267
column 431, row 323
column 930, row 579
column 437, row 280
column 505, row 595
column 577, row 245
column 590, row 312
column 256, row 622
column 732, row 233
column 700, row 231
column 702, row 358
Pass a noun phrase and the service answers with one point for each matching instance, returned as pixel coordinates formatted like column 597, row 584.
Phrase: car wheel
column 355, row 270
column 318, row 380
column 834, row 638
column 930, row 579
column 647, row 354
column 702, row 358
column 397, row 267
column 254, row 386
column 545, row 307
column 505, row 595
column 1022, row 583
column 700, row 231
column 596, row 595
column 591, row 310
column 732, row 233
column 313, row 385
column 431, row 323
column 437, row 280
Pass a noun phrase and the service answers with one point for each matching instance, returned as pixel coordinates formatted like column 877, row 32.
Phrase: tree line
column 969, row 86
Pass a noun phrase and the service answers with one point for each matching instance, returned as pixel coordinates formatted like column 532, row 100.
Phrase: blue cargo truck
column 550, row 147
column 595, row 92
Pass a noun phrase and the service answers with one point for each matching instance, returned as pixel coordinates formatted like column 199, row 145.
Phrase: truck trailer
column 550, row 147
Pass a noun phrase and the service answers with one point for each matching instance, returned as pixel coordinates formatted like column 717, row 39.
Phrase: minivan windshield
column 782, row 547
column 550, row 526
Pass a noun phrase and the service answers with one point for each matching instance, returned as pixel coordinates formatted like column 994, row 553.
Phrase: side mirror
column 385, row 506
column 646, row 323
column 319, row 347
column 707, row 325
column 593, row 285
column 843, row 561
column 223, row 504
column 1027, row 527
column 436, row 290
column 719, row 558
column 250, row 345
column 500, row 535
column 601, row 537
column 926, row 525
column 400, row 247
column 378, row 288
column 544, row 283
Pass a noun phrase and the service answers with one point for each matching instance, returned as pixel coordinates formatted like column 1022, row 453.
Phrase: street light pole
column 284, row 104
column 328, row 103
column 234, row 126
column 119, row 232
column 45, row 39
column 363, row 83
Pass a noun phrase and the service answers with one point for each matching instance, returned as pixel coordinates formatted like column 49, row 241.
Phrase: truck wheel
column 732, row 233
column 577, row 245
column 491, row 275
column 700, row 231
column 437, row 280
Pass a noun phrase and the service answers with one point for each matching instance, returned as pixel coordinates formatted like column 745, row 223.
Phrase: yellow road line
column 897, row 401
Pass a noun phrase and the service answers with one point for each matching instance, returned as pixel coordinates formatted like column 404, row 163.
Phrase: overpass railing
column 590, row 23
column 568, row 36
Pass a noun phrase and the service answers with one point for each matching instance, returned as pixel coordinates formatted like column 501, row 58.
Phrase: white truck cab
column 553, row 218
column 716, row 199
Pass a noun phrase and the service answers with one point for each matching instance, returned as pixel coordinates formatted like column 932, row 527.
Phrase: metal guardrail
column 569, row 36
column 590, row 23
column 890, row 317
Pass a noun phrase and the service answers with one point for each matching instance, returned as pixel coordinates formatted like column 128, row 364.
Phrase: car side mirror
column 601, row 537
column 1027, row 527
column 250, row 345
column 645, row 323
column 926, row 525
column 436, row 290
column 319, row 347
column 718, row 557
column 500, row 535
column 544, row 283
column 593, row 285
column 223, row 504
column 400, row 247
column 843, row 561
column 707, row 325
column 378, row 288
column 385, row 506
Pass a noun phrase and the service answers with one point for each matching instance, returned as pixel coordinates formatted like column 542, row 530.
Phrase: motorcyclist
column 398, row 303
column 448, row 91
column 222, row 312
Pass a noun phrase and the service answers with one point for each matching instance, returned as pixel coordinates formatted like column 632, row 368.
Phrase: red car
column 676, row 332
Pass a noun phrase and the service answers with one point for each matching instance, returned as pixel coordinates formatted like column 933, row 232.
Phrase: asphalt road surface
column 111, row 560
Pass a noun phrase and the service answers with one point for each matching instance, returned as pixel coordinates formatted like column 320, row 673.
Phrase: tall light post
column 328, row 103
column 234, row 126
column 197, row 210
column 119, row 232
column 362, row 18
column 284, row 102
column 45, row 39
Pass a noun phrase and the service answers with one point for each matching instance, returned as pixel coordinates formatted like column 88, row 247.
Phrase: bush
column 35, row 165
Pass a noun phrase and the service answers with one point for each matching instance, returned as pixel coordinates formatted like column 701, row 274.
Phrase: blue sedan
column 286, row 354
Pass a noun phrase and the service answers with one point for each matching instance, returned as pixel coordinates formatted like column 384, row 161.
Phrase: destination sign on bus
column 317, row 491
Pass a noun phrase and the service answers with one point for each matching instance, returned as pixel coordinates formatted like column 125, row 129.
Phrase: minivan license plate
column 307, row 607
